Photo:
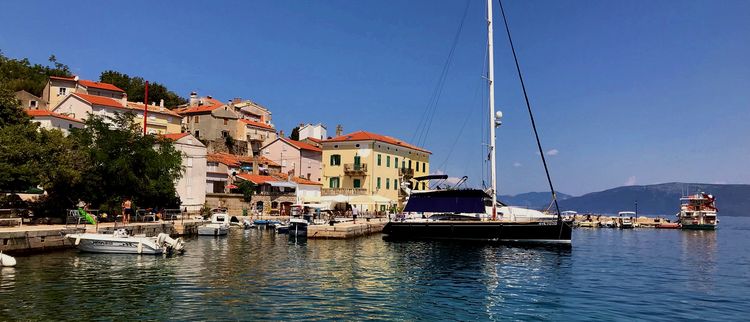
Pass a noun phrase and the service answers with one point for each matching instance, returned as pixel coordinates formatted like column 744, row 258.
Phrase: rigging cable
column 531, row 115
column 425, row 122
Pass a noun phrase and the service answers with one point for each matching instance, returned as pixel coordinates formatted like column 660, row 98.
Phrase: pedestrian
column 355, row 212
column 127, row 210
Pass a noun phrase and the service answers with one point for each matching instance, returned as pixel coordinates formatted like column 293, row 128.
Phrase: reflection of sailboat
column 472, row 214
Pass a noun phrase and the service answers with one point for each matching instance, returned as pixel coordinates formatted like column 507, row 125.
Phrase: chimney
column 237, row 100
column 339, row 130
column 281, row 133
column 193, row 99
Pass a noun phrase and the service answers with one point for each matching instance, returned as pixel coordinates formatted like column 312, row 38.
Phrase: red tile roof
column 99, row 100
column 236, row 160
column 257, row 179
column 151, row 109
column 314, row 140
column 39, row 113
column 368, row 136
column 302, row 145
column 298, row 180
column 72, row 78
column 175, row 136
column 99, row 85
column 211, row 105
column 257, row 124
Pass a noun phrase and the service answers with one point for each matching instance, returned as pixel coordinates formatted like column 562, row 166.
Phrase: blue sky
column 625, row 92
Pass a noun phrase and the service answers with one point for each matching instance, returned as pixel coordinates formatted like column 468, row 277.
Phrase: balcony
column 406, row 172
column 343, row 191
column 353, row 169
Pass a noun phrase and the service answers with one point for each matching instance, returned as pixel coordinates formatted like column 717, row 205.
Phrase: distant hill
column 660, row 199
column 535, row 200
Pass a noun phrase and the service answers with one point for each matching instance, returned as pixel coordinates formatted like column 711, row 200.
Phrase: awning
column 231, row 186
column 336, row 198
column 285, row 184
column 370, row 200
column 310, row 198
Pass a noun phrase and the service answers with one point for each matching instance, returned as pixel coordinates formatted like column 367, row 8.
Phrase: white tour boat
column 120, row 242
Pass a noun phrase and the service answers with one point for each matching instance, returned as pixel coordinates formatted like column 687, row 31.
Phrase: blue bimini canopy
column 447, row 201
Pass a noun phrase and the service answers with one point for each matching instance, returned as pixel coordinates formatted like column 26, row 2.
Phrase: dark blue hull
column 488, row 231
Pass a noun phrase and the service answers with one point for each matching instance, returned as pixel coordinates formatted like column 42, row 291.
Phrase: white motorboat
column 219, row 225
column 7, row 260
column 120, row 242
column 298, row 227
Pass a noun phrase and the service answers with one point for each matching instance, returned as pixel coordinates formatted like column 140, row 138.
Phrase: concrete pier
column 347, row 229
column 40, row 238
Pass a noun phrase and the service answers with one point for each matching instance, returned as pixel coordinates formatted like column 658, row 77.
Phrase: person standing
column 127, row 210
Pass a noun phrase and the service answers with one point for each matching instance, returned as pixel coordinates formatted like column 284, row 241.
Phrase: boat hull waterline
column 492, row 231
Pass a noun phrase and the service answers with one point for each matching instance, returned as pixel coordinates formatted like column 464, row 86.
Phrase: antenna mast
column 491, row 81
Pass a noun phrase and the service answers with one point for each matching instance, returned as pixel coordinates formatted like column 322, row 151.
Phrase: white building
column 49, row 120
column 317, row 131
column 191, row 188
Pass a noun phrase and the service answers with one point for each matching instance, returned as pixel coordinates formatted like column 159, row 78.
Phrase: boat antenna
column 531, row 115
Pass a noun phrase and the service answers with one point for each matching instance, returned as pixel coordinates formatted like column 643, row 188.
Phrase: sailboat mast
column 491, row 82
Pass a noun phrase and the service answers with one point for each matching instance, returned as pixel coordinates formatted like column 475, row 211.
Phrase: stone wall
column 235, row 203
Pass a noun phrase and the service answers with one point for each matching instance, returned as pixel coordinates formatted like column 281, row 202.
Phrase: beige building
column 49, row 120
column 30, row 101
column 364, row 163
column 191, row 188
column 79, row 106
column 58, row 88
column 209, row 119
column 256, row 134
column 296, row 158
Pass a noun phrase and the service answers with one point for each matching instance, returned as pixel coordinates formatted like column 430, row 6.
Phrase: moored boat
column 219, row 225
column 298, row 227
column 698, row 211
column 120, row 242
column 7, row 260
column 668, row 225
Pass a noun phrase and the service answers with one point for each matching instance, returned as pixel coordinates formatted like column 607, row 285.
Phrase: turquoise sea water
column 608, row 274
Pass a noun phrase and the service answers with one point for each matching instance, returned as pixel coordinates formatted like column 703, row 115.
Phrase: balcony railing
column 343, row 191
column 354, row 169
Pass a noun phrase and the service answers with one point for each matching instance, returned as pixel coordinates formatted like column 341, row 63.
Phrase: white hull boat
column 7, row 260
column 219, row 225
column 298, row 227
column 122, row 243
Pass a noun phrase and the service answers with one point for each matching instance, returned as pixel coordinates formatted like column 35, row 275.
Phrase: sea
column 607, row 275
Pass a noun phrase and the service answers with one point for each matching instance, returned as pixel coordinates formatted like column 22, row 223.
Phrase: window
column 378, row 182
column 335, row 159
column 379, row 157
column 334, row 182
column 395, row 184
column 417, row 169
column 169, row 119
column 190, row 162
column 197, row 119
column 395, row 162
column 410, row 165
column 423, row 186
column 61, row 91
column 32, row 104
column 403, row 164
column 357, row 183
column 388, row 161
column 423, row 163
column 387, row 183
column 197, row 134
column 226, row 121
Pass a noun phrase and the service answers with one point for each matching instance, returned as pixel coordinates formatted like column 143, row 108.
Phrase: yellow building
column 364, row 163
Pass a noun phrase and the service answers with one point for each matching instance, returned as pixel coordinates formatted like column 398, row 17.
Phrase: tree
column 135, row 88
column 295, row 134
column 125, row 163
column 248, row 189
column 20, row 74
column 11, row 112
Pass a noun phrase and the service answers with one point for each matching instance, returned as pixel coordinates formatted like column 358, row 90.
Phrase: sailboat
column 472, row 214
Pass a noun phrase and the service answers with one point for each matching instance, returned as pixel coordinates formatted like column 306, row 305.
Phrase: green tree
column 21, row 74
column 135, row 88
column 248, row 189
column 295, row 134
column 125, row 163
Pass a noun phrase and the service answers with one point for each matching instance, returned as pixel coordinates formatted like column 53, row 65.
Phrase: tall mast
column 491, row 81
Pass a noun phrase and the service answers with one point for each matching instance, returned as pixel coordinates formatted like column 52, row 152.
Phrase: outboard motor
column 171, row 245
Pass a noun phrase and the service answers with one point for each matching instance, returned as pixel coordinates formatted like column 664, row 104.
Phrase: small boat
column 298, row 227
column 7, row 260
column 608, row 224
column 668, row 225
column 218, row 226
column 698, row 211
column 282, row 229
column 120, row 242
column 586, row 224
column 625, row 219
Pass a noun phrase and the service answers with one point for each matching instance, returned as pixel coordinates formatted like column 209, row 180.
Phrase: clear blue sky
column 634, row 92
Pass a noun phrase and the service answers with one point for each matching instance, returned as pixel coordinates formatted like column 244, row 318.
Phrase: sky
column 624, row 92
